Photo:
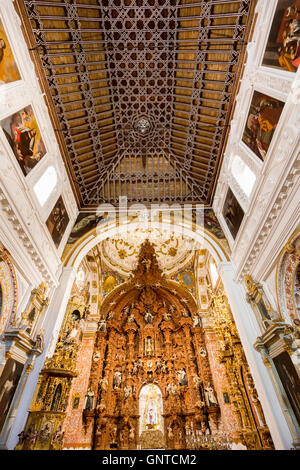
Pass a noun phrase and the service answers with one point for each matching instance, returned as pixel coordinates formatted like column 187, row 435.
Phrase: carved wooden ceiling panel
column 141, row 91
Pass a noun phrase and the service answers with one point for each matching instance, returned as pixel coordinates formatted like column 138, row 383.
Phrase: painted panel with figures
column 283, row 46
column 24, row 137
column 57, row 221
column 262, row 120
column 8, row 68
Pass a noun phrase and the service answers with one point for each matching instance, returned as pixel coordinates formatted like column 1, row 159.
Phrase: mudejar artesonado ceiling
column 140, row 92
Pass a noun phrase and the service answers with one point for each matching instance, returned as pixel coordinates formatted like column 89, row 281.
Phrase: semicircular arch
column 98, row 234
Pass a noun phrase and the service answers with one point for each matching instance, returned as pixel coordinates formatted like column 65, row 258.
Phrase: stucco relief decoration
column 288, row 280
column 110, row 280
column 171, row 250
column 8, row 283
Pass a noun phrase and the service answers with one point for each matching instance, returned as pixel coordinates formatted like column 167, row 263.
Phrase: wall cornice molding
column 26, row 240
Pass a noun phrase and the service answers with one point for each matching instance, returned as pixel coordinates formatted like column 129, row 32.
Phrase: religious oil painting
column 232, row 213
column 211, row 223
column 8, row 68
column 290, row 381
column 85, row 222
column 24, row 137
column 262, row 120
column 57, row 221
column 8, row 383
column 283, row 46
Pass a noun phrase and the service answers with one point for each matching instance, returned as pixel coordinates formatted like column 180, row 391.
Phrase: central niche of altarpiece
column 150, row 384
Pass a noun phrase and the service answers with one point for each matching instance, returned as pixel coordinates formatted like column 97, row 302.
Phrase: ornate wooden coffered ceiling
column 140, row 91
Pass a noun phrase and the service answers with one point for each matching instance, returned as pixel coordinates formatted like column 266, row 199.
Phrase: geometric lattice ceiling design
column 141, row 92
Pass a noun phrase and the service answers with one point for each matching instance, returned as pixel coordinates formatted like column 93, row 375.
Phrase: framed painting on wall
column 8, row 383
column 283, row 46
column 262, row 120
column 24, row 137
column 9, row 71
column 232, row 213
column 290, row 381
column 57, row 221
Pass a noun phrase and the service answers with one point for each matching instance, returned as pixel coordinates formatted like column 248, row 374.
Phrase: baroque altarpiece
column 151, row 384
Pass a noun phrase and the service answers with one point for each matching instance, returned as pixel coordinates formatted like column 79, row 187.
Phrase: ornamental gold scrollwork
column 241, row 384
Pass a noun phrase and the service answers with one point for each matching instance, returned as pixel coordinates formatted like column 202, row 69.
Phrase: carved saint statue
column 117, row 379
column 166, row 316
column 101, row 407
column 197, row 381
column 158, row 364
column 96, row 357
column 196, row 321
column 111, row 315
column 170, row 433
column 147, row 263
column 98, row 429
column 102, row 324
column 148, row 317
column 58, row 436
column 135, row 368
column 210, row 396
column 151, row 414
column 38, row 342
column 202, row 352
column 31, row 317
column 33, row 434
column 103, row 384
column 127, row 391
column 149, row 346
column 181, row 374
column 131, row 434
column 45, row 432
column 130, row 318
column 89, row 400
column 164, row 367
column 113, row 432
column 72, row 335
column 22, row 437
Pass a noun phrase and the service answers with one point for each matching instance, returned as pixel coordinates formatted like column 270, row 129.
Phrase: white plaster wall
column 273, row 206
column 24, row 213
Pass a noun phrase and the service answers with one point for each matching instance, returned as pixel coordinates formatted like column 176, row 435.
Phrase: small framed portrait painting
column 57, row 221
column 232, row 213
column 24, row 137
